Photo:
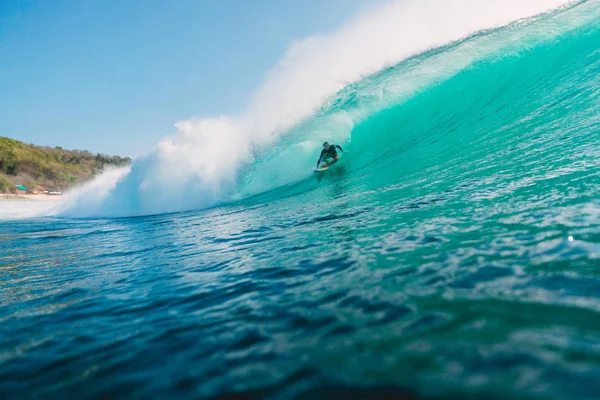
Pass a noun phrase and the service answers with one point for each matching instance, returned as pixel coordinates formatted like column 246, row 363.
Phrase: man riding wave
column 329, row 151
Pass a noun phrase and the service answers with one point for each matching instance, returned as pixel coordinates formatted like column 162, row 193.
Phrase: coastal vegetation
column 54, row 169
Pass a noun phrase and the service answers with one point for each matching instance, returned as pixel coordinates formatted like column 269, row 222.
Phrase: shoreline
column 30, row 197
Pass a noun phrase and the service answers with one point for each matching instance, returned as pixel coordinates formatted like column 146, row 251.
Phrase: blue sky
column 114, row 76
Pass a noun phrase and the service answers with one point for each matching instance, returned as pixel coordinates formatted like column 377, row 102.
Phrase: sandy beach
column 30, row 197
column 26, row 206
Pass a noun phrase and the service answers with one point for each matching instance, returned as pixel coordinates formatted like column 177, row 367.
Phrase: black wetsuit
column 329, row 153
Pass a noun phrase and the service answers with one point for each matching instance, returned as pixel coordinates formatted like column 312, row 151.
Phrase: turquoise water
column 453, row 253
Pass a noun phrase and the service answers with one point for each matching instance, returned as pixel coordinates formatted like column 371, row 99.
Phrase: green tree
column 53, row 168
column 5, row 184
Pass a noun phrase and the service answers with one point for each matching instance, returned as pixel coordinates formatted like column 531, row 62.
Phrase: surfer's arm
column 342, row 150
column 320, row 158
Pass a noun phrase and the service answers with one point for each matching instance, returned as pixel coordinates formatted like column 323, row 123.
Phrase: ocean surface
column 453, row 252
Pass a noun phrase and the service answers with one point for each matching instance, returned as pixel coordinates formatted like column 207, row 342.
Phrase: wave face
column 382, row 85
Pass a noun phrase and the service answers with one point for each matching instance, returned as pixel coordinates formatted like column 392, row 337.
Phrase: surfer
column 329, row 151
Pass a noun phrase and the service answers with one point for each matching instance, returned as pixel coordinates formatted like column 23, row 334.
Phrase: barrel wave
column 498, row 111
column 452, row 253
column 387, row 114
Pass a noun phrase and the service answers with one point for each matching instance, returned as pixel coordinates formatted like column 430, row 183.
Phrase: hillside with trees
column 55, row 169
